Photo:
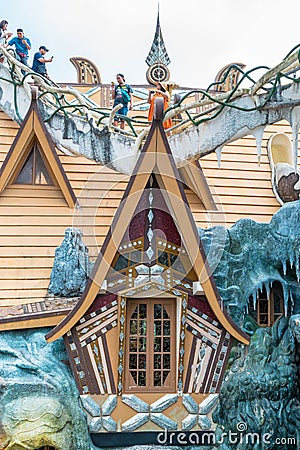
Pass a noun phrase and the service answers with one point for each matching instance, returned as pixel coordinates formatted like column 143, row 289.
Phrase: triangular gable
column 156, row 157
column 33, row 129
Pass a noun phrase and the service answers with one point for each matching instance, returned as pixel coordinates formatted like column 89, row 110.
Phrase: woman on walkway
column 161, row 91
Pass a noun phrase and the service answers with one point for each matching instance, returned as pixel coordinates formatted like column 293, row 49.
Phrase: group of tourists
column 121, row 92
column 22, row 46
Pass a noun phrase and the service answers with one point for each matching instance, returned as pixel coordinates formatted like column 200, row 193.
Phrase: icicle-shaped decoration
column 219, row 155
column 258, row 134
column 295, row 124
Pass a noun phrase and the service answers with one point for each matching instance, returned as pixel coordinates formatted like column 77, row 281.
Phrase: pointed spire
column 158, row 52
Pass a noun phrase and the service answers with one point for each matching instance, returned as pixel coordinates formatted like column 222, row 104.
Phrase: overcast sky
column 201, row 36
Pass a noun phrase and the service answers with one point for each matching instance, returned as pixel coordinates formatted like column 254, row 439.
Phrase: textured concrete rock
column 39, row 399
column 37, row 420
column 17, row 106
column 295, row 326
column 71, row 266
column 260, row 393
column 250, row 256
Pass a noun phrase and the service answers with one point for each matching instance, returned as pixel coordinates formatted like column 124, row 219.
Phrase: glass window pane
column 263, row 319
column 122, row 263
column 157, row 328
column 143, row 327
column 166, row 328
column 142, row 378
column 263, row 306
column 166, row 344
column 157, row 361
column 133, row 327
column 157, row 311
column 166, row 362
column 142, row 311
column 142, row 344
column 163, row 259
column 142, row 362
column 157, row 378
column 25, row 175
column 165, row 374
column 277, row 304
column 165, row 314
column 41, row 175
column 157, row 344
column 173, row 258
column 134, row 375
column 150, row 348
column 132, row 361
column 135, row 313
column 133, row 345
column 135, row 257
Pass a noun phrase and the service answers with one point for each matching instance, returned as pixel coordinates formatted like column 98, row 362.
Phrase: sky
column 201, row 36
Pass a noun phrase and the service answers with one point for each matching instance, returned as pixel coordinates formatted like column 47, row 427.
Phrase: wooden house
column 158, row 338
column 148, row 341
column 149, row 338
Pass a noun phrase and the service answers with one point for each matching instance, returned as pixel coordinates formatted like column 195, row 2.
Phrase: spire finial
column 158, row 52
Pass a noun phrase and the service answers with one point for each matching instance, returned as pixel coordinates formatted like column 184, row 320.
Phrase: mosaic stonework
column 100, row 415
column 149, row 412
column 198, row 414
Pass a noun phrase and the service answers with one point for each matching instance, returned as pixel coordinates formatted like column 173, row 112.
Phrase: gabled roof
column 156, row 157
column 31, row 129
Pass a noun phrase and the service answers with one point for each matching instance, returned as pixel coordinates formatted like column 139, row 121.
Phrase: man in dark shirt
column 22, row 45
column 39, row 61
column 122, row 94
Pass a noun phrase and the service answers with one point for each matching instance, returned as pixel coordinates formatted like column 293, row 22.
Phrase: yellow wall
column 33, row 220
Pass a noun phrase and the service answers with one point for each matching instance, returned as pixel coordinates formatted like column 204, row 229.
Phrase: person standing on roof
column 39, row 61
column 122, row 94
column 4, row 35
column 22, row 45
column 161, row 91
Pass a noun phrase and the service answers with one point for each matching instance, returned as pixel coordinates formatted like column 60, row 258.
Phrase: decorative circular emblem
column 157, row 72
